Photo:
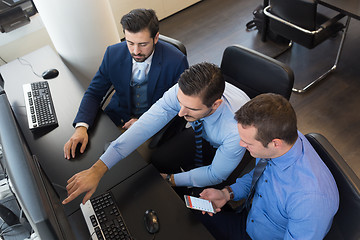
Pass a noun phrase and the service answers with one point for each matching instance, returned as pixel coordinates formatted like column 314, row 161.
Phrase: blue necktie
column 140, row 76
column 258, row 171
column 198, row 127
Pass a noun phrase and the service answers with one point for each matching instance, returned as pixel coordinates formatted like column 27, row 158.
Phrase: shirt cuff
column 82, row 124
column 110, row 157
column 182, row 179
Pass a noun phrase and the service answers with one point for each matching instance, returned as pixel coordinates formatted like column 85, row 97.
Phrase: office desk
column 348, row 7
column 145, row 190
column 138, row 185
column 48, row 144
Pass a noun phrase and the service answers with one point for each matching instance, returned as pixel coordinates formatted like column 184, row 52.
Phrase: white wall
column 34, row 35
column 163, row 8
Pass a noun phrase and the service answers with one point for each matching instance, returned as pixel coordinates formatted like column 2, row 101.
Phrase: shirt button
column 252, row 220
column 266, row 180
column 260, row 196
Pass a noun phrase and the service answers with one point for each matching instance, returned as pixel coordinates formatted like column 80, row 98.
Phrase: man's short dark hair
column 273, row 117
column 204, row 80
column 139, row 19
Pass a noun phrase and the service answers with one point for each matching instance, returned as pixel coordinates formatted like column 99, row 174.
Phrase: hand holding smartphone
column 199, row 204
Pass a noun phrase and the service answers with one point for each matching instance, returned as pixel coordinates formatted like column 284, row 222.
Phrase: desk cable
column 27, row 63
column 3, row 60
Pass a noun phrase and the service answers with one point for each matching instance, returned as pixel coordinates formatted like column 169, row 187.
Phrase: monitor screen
column 33, row 191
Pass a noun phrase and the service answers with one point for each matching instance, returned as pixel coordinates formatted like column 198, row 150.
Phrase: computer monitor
column 33, row 191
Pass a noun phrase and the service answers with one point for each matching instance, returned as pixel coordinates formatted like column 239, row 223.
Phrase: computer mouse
column 151, row 221
column 50, row 73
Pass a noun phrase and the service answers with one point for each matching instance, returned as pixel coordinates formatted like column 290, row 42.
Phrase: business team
column 294, row 179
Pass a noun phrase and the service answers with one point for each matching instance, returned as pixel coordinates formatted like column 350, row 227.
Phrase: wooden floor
column 332, row 108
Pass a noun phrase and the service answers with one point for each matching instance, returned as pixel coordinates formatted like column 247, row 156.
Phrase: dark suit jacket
column 166, row 66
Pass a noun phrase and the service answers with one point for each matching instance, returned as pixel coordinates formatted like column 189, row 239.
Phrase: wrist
column 100, row 168
column 228, row 193
column 170, row 179
column 82, row 124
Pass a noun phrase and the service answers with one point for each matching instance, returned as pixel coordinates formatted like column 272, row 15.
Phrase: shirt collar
column 211, row 119
column 286, row 160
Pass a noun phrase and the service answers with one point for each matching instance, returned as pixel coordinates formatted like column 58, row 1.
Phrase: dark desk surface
column 147, row 190
column 48, row 144
column 150, row 190
column 348, row 7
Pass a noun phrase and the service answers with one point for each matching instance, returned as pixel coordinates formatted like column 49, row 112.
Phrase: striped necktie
column 258, row 171
column 198, row 127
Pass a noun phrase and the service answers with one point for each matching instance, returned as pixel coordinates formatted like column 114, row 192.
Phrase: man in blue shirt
column 163, row 64
column 295, row 197
column 201, row 93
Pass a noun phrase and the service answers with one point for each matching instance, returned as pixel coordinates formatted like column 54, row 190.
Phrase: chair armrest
column 332, row 20
column 270, row 15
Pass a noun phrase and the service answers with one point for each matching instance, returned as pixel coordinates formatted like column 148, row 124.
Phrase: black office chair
column 179, row 45
column 346, row 222
column 300, row 22
column 254, row 73
column 176, row 43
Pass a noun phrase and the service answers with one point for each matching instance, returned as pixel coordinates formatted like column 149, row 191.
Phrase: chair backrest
column 174, row 42
column 346, row 223
column 299, row 12
column 256, row 73
column 301, row 22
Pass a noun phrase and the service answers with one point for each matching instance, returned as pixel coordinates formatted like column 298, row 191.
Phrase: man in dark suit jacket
column 121, row 62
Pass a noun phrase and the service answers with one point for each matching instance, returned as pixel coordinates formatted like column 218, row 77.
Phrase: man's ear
column 277, row 142
column 216, row 104
column 156, row 38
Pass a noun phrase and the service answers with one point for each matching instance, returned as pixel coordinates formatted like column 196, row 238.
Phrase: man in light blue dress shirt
column 296, row 196
column 200, row 94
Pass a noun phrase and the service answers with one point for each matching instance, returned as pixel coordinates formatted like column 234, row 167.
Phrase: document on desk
column 199, row 204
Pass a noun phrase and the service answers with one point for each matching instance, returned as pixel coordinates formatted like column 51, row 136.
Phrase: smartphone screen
column 199, row 204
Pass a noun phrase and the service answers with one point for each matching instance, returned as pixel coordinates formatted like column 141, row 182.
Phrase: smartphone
column 199, row 204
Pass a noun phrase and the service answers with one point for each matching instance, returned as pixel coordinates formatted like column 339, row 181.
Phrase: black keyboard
column 103, row 218
column 39, row 105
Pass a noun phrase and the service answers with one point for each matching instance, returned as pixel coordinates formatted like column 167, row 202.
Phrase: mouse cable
column 3, row 60
column 26, row 62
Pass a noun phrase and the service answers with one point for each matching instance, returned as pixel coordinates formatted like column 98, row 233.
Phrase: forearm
column 241, row 187
column 99, row 168
column 198, row 177
column 144, row 128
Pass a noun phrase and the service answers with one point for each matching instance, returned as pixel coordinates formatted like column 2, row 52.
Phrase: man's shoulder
column 117, row 52
column 118, row 46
